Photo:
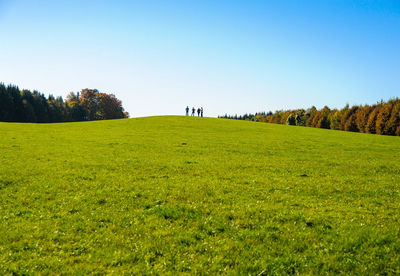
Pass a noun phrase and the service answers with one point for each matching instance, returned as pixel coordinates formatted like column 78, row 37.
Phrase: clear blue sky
column 227, row 56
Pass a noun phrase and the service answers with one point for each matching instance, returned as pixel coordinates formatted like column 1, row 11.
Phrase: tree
column 110, row 107
column 28, row 104
column 310, row 114
column 394, row 120
column 76, row 110
column 291, row 120
column 350, row 124
column 383, row 118
column 371, row 124
column 100, row 106
column 348, row 112
column 300, row 117
column 323, row 121
column 29, row 112
column 335, row 119
column 19, row 114
column 7, row 112
column 89, row 101
column 285, row 116
column 41, row 107
column 362, row 117
column 55, row 113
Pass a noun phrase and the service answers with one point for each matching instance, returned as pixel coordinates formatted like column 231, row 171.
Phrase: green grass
column 197, row 195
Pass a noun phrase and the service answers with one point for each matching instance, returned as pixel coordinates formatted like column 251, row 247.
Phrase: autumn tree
column 335, row 119
column 371, row 124
column 77, row 112
column 362, row 115
column 394, row 120
column 110, row 107
column 347, row 113
column 351, row 124
column 310, row 114
column 383, row 118
column 89, row 100
column 323, row 121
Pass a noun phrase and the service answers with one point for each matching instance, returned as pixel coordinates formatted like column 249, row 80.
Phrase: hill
column 179, row 194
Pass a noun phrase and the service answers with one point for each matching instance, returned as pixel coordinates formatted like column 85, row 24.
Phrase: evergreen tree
column 7, row 112
column 19, row 114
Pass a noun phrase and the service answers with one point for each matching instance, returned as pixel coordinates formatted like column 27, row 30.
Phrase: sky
column 227, row 56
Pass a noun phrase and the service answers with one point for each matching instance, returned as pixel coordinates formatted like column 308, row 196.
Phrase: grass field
column 197, row 195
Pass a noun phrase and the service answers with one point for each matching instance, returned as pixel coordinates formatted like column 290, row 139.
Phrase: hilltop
column 180, row 194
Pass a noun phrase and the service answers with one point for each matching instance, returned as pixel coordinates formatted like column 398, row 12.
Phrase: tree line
column 25, row 106
column 381, row 118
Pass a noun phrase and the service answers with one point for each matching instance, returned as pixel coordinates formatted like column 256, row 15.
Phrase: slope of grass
column 177, row 194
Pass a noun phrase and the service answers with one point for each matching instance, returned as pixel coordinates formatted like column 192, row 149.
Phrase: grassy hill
column 167, row 194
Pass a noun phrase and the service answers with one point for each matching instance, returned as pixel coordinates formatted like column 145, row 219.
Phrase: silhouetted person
column 187, row 111
column 198, row 112
column 193, row 111
column 201, row 112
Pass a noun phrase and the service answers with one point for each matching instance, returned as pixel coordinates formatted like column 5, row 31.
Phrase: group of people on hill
column 199, row 111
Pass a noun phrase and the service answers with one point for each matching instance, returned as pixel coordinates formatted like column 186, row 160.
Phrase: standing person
column 187, row 110
column 198, row 112
column 193, row 111
column 201, row 111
